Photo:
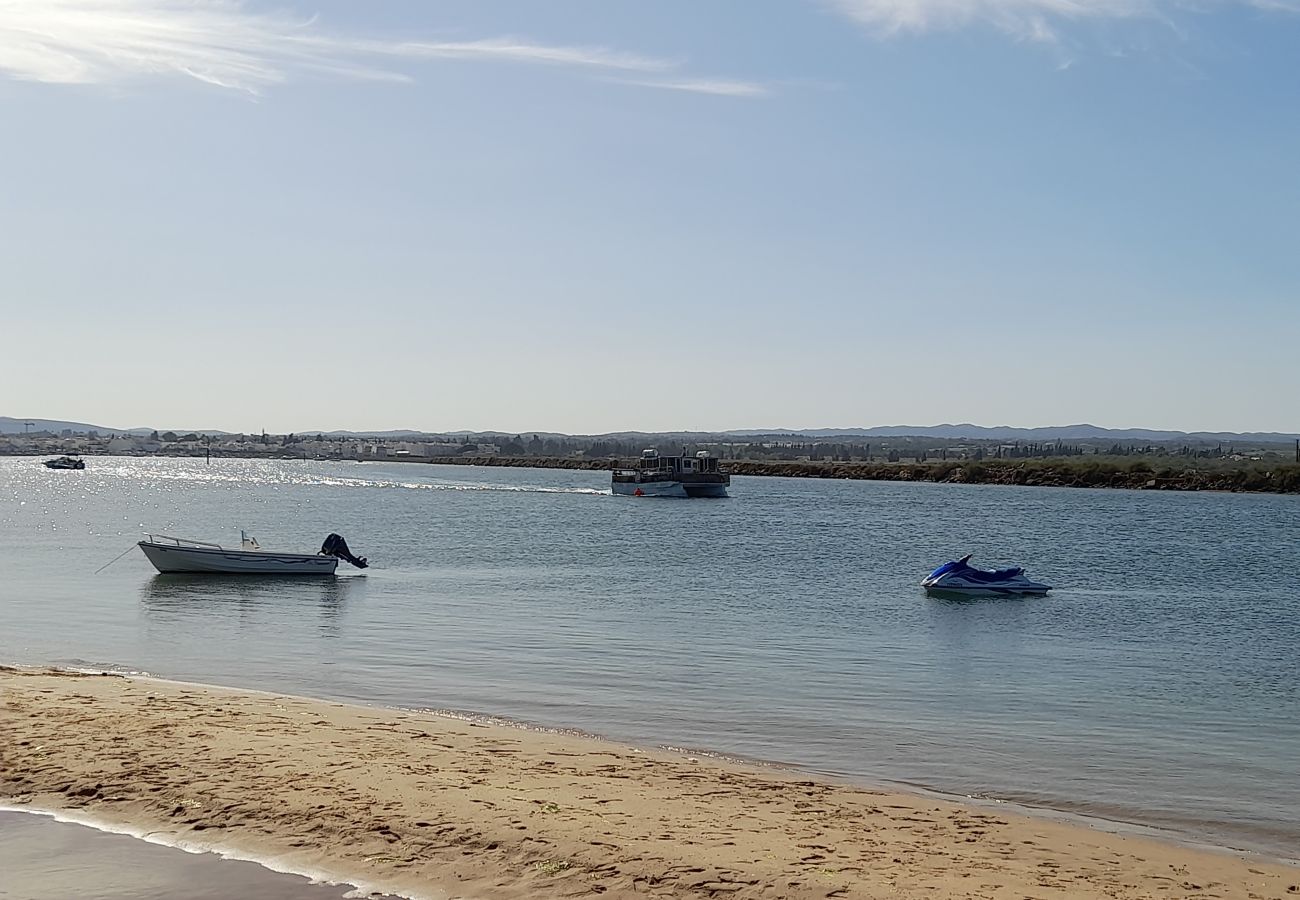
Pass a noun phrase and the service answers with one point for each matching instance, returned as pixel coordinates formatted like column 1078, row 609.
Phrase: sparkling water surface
column 1158, row 684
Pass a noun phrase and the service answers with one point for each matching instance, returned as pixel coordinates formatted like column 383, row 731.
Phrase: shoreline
column 1095, row 473
column 419, row 804
column 1104, row 475
column 1026, row 808
column 100, row 860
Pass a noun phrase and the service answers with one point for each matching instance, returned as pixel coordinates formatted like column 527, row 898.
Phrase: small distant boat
column 960, row 577
column 172, row 555
column 65, row 462
column 672, row 476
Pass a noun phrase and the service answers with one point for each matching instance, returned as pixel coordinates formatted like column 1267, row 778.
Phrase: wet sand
column 429, row 806
column 41, row 859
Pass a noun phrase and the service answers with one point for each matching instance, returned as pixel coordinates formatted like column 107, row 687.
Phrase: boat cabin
column 702, row 463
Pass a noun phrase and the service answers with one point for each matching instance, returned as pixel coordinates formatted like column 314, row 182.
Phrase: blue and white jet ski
column 959, row 577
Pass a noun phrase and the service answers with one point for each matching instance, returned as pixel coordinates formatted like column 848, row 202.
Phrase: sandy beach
column 430, row 806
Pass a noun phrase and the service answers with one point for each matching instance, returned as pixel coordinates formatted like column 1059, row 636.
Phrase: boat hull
column 705, row 490
column 957, row 586
column 668, row 489
column 943, row 591
column 649, row 489
column 169, row 559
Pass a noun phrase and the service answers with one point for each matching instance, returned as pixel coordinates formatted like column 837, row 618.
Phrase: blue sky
column 593, row 215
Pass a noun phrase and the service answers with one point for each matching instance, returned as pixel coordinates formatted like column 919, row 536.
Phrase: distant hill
column 9, row 425
column 400, row 434
column 1007, row 433
column 18, row 426
column 965, row 431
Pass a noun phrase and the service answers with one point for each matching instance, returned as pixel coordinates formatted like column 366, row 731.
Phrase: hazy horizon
column 548, row 430
column 625, row 216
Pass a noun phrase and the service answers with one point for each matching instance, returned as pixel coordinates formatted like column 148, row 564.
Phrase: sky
column 606, row 215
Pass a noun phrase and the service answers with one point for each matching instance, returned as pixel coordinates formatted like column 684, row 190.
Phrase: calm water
column 1160, row 683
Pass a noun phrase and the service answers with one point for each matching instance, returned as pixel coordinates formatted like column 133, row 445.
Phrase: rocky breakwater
column 1075, row 472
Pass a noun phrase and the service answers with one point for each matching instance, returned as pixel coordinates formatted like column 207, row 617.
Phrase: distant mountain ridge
column 964, row 431
column 1082, row 432
column 10, row 425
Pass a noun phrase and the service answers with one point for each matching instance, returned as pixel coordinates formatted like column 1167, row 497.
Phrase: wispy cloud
column 1036, row 20
column 719, row 87
column 225, row 43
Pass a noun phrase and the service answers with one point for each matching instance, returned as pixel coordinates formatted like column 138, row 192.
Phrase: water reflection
column 969, row 627
column 243, row 596
column 963, row 598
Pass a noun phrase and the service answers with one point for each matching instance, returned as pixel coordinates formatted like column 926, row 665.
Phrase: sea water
column 1158, row 684
column 43, row 859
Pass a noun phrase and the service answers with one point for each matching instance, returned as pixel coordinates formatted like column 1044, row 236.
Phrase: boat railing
column 179, row 542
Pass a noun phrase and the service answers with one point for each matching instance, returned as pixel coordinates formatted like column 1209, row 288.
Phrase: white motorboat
column 672, row 476
column 171, row 555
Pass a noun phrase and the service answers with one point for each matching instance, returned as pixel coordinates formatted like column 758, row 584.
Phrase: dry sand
column 430, row 806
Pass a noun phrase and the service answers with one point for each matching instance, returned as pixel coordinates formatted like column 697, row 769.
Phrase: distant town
column 288, row 446
column 774, row 447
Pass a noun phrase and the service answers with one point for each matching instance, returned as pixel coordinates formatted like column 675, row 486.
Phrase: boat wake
column 450, row 486
column 304, row 479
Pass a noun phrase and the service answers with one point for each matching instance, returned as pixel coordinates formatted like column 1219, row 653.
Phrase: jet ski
column 960, row 577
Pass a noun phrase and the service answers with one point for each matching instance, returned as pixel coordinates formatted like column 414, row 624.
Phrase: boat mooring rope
column 114, row 559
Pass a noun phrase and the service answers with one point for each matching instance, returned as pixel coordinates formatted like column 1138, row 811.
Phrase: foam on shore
column 56, row 853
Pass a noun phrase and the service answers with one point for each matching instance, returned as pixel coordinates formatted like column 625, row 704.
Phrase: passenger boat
column 65, row 462
column 672, row 476
column 171, row 555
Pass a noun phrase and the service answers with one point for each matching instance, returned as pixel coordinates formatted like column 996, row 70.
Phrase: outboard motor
column 335, row 546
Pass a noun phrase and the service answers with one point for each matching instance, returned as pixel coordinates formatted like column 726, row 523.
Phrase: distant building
column 435, row 449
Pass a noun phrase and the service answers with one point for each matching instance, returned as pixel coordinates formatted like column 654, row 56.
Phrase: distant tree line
column 778, row 447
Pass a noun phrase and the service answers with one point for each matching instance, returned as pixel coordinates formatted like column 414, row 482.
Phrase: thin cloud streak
column 221, row 42
column 517, row 50
column 1034, row 20
column 716, row 87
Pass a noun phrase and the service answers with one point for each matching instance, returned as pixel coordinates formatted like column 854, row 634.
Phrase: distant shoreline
column 1086, row 472
column 1124, row 473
